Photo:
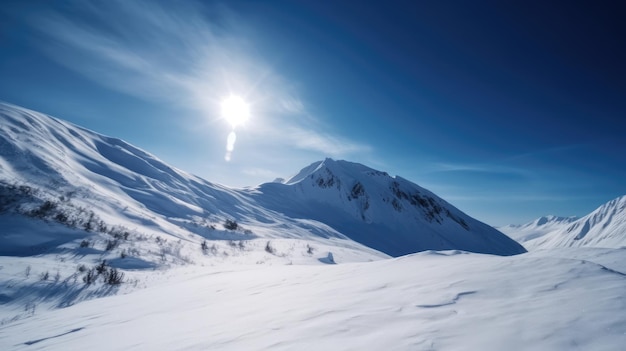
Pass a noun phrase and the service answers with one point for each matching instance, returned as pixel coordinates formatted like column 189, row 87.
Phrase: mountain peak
column 365, row 203
column 329, row 171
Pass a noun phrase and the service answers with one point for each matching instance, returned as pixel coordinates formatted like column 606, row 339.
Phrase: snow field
column 428, row 301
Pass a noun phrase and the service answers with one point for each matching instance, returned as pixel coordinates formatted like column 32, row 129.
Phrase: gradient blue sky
column 507, row 109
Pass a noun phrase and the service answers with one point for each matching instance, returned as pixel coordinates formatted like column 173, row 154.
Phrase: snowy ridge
column 537, row 228
column 604, row 227
column 390, row 214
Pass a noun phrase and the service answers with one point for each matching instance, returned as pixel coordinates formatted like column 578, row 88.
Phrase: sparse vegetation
column 231, row 224
column 111, row 244
column 90, row 277
column 113, row 276
column 269, row 248
column 110, row 275
column 44, row 276
column 57, row 276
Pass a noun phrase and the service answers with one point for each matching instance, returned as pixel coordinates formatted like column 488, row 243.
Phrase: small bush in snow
column 85, row 243
column 44, row 276
column 111, row 244
column 231, row 224
column 102, row 267
column 269, row 248
column 90, row 277
column 113, row 277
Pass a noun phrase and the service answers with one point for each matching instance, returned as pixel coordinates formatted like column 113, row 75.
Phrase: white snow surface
column 448, row 300
column 605, row 227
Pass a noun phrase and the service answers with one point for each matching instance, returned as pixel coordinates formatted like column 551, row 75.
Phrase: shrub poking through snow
column 231, row 224
column 110, row 275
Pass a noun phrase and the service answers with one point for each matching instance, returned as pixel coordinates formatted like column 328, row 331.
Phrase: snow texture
column 427, row 301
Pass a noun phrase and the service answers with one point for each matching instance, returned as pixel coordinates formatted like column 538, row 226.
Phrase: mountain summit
column 390, row 214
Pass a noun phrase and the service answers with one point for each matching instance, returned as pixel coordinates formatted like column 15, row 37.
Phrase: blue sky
column 508, row 110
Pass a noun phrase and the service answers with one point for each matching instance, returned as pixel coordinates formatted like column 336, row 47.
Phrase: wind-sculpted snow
column 426, row 301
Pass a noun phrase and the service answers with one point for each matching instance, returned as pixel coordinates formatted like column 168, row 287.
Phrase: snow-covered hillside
column 390, row 214
column 604, row 227
column 126, row 200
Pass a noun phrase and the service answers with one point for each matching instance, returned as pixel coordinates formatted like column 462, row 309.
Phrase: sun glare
column 235, row 110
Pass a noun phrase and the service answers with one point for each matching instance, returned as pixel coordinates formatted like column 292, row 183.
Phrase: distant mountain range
column 64, row 176
column 604, row 227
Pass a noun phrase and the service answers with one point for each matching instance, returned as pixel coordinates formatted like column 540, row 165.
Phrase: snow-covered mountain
column 86, row 216
column 390, row 214
column 537, row 228
column 119, row 200
column 56, row 171
column 604, row 227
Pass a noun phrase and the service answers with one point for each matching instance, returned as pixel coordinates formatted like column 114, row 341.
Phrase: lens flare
column 230, row 145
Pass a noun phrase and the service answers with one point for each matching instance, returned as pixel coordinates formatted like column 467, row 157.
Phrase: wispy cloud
column 185, row 53
column 484, row 168
column 325, row 143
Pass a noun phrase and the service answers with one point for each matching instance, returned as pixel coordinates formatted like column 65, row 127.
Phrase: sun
column 235, row 110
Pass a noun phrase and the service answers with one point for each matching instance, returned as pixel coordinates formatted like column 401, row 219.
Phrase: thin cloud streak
column 176, row 55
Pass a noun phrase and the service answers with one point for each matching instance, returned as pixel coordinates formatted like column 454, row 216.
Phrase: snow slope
column 426, row 301
column 390, row 214
column 54, row 171
column 604, row 227
column 60, row 172
column 537, row 228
